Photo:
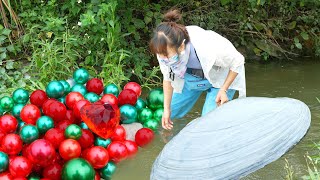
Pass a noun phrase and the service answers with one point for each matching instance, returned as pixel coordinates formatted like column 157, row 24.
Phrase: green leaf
column 3, row 56
column 9, row 64
column 1, row 27
column 225, row 2
column 2, row 38
column 138, row 23
column 292, row 25
column 296, row 40
column 304, row 35
column 298, row 45
column 147, row 19
column 10, row 48
column 249, row 26
column 3, row 49
column 6, row 32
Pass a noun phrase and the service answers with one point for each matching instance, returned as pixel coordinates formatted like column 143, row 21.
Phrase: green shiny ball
column 102, row 142
column 16, row 110
column 79, row 88
column 20, row 96
column 107, row 171
column 2, row 111
column 20, row 125
column 35, row 177
column 55, row 89
column 128, row 114
column 157, row 115
column 155, row 99
column 4, row 162
column 77, row 169
column 29, row 133
column 73, row 132
column 111, row 89
column 92, row 97
column 6, row 103
column 62, row 99
column 145, row 114
column 83, row 125
column 81, row 76
column 44, row 123
column 140, row 104
column 151, row 124
column 66, row 86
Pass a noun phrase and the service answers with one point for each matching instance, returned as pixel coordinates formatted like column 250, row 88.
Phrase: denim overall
column 182, row 103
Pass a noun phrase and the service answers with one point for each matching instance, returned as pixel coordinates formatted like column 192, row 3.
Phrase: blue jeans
column 182, row 103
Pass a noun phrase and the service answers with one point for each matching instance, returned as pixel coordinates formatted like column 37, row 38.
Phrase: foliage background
column 45, row 40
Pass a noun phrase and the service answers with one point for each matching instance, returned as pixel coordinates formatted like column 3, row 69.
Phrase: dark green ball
column 157, row 115
column 17, row 109
column 77, row 169
column 140, row 104
column 81, row 76
column 44, row 123
column 151, row 124
column 83, row 125
column 145, row 114
column 102, row 142
column 55, row 89
column 29, row 133
column 6, row 103
column 66, row 86
column 92, row 97
column 20, row 96
column 155, row 99
column 111, row 89
column 4, row 162
column 73, row 132
column 79, row 88
column 107, row 171
column 2, row 111
column 128, row 114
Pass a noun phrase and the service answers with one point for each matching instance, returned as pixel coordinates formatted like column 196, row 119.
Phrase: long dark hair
column 169, row 33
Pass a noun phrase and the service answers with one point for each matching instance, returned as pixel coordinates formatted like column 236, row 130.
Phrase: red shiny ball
column 55, row 136
column 117, row 151
column 97, row 176
column 41, row 152
column 52, row 172
column 72, row 98
column 30, row 114
column 110, row 99
column 87, row 139
column 77, row 107
column 6, row 176
column 144, row 136
column 95, row 85
column 132, row 147
column 20, row 167
column 134, row 87
column 8, row 124
column 69, row 149
column 70, row 116
column 38, row 97
column 62, row 125
column 2, row 134
column 54, row 109
column 119, row 134
column 11, row 144
column 97, row 156
column 127, row 96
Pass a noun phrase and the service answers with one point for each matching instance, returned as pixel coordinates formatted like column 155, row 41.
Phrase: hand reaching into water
column 166, row 121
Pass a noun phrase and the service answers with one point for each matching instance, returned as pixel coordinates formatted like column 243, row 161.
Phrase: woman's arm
column 167, row 90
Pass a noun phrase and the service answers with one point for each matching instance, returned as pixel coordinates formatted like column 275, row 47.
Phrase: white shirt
column 217, row 56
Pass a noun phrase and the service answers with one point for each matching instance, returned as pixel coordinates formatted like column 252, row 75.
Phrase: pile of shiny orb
column 74, row 129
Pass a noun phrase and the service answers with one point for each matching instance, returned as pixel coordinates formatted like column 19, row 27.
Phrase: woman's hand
column 221, row 97
column 166, row 121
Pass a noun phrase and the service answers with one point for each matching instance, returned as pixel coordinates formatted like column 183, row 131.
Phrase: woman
column 193, row 60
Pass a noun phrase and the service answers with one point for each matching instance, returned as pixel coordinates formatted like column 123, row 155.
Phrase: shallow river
column 296, row 80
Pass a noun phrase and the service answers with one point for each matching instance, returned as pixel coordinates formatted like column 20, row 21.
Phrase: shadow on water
column 299, row 81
